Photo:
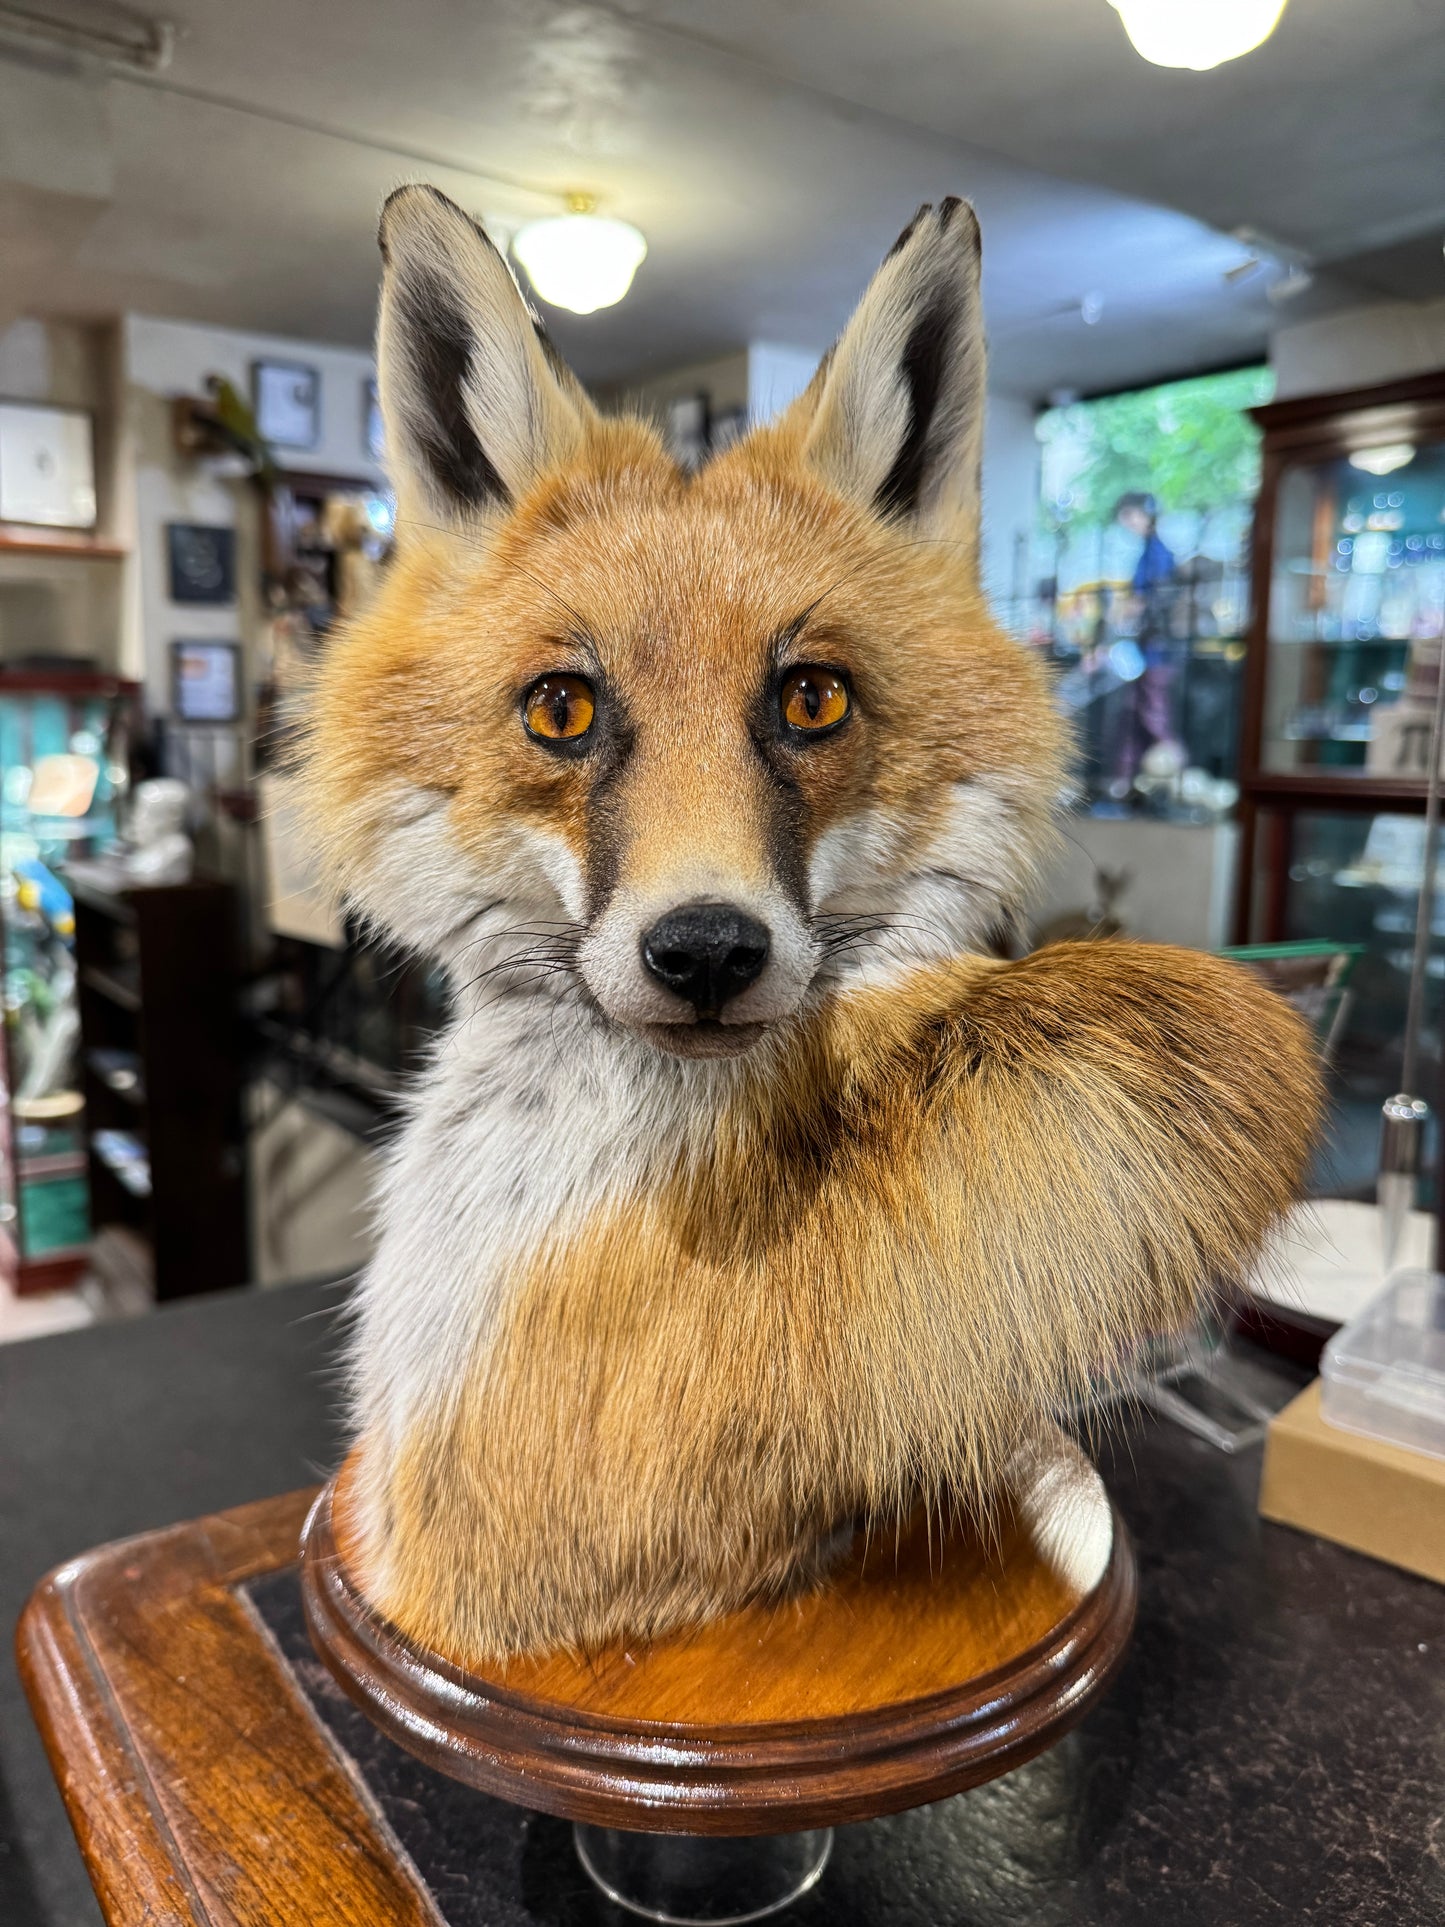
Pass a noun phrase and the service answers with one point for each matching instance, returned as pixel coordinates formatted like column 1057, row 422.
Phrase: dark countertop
column 1273, row 1752
column 117, row 1429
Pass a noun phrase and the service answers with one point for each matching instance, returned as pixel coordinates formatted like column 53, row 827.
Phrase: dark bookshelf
column 161, row 1052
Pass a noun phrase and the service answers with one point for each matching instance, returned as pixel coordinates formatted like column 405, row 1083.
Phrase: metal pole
column 1405, row 1115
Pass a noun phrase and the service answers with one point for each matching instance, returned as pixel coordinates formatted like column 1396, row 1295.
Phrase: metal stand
column 696, row 1881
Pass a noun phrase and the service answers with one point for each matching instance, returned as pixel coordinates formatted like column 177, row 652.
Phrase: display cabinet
column 64, row 762
column 1344, row 659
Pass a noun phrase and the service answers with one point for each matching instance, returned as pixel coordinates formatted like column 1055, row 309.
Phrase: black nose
column 706, row 952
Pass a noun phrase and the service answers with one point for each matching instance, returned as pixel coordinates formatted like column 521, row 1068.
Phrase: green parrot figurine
column 235, row 421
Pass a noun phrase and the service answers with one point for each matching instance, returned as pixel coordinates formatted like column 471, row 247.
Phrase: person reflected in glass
column 1146, row 740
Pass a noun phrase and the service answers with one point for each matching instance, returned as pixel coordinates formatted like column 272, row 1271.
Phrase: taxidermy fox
column 748, row 1195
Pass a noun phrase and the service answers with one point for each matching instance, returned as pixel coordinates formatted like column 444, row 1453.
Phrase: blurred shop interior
column 1214, row 494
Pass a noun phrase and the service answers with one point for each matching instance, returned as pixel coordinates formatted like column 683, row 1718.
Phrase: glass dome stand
column 693, row 1880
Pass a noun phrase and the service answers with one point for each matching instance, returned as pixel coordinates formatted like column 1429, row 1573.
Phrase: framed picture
column 373, row 435
column 206, row 682
column 287, row 400
column 47, row 466
column 202, row 562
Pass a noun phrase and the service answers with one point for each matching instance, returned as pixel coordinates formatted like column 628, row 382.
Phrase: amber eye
column 559, row 709
column 813, row 699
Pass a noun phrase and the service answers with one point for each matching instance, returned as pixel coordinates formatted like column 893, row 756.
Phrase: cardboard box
column 1372, row 1497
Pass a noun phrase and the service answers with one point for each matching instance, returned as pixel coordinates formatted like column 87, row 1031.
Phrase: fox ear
column 894, row 417
column 477, row 402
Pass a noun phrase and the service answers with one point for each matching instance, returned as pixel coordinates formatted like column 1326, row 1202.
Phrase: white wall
column 1010, row 501
column 1179, row 877
column 1386, row 342
column 53, row 361
column 776, row 376
column 724, row 380
column 163, row 359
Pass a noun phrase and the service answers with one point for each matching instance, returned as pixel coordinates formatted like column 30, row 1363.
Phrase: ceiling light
column 1384, row 460
column 582, row 261
column 1197, row 33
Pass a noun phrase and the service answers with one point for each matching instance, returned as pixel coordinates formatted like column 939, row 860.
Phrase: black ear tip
column 959, row 218
column 924, row 210
column 958, row 221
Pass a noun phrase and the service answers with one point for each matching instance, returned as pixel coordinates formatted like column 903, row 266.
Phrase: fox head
column 695, row 747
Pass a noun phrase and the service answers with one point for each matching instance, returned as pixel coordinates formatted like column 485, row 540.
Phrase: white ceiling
column 769, row 148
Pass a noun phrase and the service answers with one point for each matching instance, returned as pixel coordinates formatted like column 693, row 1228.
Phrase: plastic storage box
column 1383, row 1374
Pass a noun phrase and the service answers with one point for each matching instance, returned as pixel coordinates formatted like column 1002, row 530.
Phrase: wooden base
column 919, row 1670
column 203, row 1786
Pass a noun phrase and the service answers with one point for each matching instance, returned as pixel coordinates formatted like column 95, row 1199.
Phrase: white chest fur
column 530, row 1119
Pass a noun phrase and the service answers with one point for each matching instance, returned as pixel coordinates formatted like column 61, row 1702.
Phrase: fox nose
column 706, row 953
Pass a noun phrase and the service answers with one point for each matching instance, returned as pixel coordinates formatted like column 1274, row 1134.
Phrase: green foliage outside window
column 1190, row 444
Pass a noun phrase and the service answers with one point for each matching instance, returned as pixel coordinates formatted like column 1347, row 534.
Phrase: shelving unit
column 18, row 540
column 162, row 1069
column 1345, row 642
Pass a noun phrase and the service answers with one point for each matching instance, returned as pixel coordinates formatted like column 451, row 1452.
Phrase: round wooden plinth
column 920, row 1669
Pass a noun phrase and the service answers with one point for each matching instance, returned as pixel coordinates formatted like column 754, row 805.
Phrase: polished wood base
column 923, row 1667
column 204, row 1788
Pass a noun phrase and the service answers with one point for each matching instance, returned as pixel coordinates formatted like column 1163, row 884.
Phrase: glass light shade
column 1384, row 460
column 580, row 261
column 1197, row 33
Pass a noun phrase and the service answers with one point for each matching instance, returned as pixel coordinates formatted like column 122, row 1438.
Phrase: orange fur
column 897, row 1256
column 691, row 577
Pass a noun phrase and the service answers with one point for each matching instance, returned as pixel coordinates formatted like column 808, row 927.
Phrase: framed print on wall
column 201, row 562
column 206, row 682
column 47, row 466
column 287, row 399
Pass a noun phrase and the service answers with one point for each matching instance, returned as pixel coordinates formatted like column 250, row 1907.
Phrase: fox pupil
column 812, row 700
column 561, row 711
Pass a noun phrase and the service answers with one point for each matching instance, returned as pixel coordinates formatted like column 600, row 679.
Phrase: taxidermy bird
column 746, row 1197
column 234, row 420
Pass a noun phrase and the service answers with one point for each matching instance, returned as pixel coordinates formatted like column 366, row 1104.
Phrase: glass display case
column 1356, row 613
column 1344, row 660
column 1353, row 877
column 63, row 773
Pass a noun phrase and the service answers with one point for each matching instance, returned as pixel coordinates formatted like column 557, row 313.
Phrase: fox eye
column 559, row 709
column 813, row 700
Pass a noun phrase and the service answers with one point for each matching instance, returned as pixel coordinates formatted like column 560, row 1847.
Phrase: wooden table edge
column 104, row 1785
column 144, row 1868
